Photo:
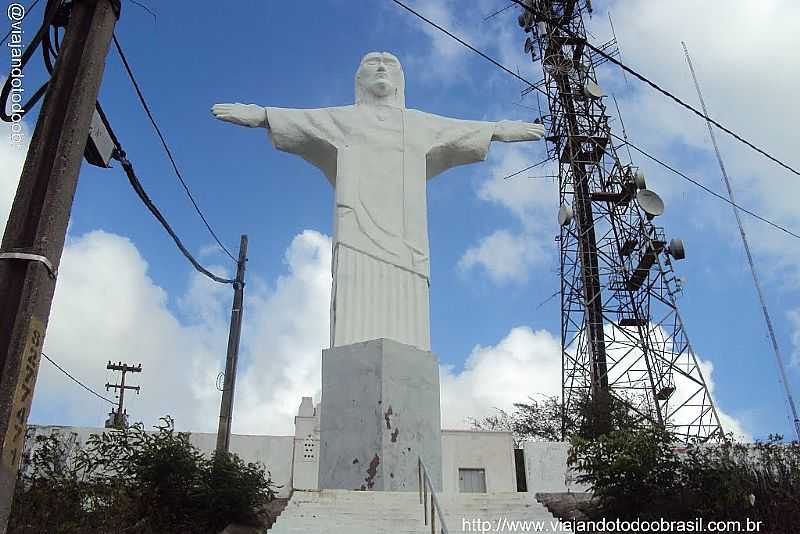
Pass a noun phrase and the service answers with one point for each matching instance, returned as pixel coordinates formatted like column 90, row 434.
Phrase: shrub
column 638, row 473
column 628, row 469
column 135, row 481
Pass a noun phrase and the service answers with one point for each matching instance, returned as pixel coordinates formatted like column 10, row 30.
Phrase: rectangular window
column 471, row 480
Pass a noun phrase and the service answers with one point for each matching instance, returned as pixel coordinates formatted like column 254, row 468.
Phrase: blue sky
column 125, row 292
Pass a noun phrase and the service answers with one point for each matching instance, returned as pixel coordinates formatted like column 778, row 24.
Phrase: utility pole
column 229, row 384
column 34, row 236
column 119, row 417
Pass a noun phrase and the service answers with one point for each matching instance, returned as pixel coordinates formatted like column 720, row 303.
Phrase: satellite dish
column 650, row 202
column 564, row 215
column 541, row 27
column 638, row 179
column 557, row 63
column 528, row 45
column 676, row 249
column 592, row 90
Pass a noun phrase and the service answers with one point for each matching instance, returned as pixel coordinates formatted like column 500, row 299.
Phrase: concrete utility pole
column 119, row 416
column 34, row 236
column 226, row 407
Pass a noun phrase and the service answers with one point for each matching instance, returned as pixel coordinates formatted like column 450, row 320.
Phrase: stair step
column 362, row 512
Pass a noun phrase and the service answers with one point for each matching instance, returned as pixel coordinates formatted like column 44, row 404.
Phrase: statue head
column 380, row 80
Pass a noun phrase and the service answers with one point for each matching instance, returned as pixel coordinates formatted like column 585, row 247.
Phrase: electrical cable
column 81, row 384
column 50, row 48
column 661, row 90
column 750, row 261
column 166, row 147
column 633, row 146
column 27, row 10
column 495, row 13
column 529, row 167
column 705, row 188
column 49, row 14
column 119, row 155
column 466, row 44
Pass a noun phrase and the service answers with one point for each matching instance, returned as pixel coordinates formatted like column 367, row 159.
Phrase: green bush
column 135, row 481
column 628, row 469
column 638, row 473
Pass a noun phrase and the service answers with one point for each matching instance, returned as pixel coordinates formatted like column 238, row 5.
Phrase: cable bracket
column 27, row 256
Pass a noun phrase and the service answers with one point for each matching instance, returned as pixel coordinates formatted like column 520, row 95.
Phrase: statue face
column 380, row 73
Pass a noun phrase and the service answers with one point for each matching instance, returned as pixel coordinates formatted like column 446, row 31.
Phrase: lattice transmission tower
column 621, row 330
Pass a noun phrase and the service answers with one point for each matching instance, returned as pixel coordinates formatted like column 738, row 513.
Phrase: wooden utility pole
column 119, row 415
column 229, row 384
column 33, row 241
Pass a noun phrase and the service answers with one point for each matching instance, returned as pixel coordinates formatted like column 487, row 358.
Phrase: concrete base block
column 380, row 412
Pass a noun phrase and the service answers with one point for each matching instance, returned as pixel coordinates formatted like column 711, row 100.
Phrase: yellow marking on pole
column 23, row 396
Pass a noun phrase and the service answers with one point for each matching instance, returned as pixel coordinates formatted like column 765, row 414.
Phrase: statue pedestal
column 380, row 412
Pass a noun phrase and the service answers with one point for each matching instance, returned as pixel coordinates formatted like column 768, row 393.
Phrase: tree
column 531, row 421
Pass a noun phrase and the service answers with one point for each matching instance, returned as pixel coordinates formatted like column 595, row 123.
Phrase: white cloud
column 505, row 257
column 743, row 92
column 523, row 363
column 531, row 195
column 509, row 255
column 286, row 332
column 108, row 308
column 527, row 363
column 11, row 159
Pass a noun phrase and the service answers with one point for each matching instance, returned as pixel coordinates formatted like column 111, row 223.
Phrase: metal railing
column 426, row 486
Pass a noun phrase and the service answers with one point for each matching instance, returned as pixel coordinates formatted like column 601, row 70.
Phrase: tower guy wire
column 629, row 143
column 753, row 271
column 142, row 100
column 607, row 57
column 707, row 189
column 660, row 89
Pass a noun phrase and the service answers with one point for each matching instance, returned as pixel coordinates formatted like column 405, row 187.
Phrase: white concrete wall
column 491, row 451
column 275, row 452
column 305, row 471
column 546, row 468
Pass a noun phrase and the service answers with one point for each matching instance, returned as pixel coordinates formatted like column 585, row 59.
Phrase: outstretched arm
column 513, row 131
column 249, row 115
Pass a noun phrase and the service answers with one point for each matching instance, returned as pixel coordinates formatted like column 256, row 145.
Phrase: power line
column 495, row 13
column 43, row 37
column 119, row 155
column 529, row 167
column 641, row 151
column 756, row 281
column 27, row 10
column 81, row 384
column 166, row 147
column 704, row 188
column 464, row 43
column 662, row 91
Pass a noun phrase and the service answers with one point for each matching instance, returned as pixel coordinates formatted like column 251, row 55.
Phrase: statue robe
column 378, row 159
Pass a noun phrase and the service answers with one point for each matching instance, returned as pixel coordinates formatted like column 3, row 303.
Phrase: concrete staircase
column 384, row 512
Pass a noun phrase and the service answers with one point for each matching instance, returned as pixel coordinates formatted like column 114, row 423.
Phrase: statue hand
column 511, row 131
column 249, row 115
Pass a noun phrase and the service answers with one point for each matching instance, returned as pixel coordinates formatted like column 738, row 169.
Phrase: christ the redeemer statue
column 378, row 156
